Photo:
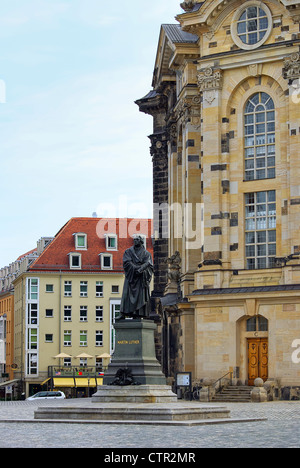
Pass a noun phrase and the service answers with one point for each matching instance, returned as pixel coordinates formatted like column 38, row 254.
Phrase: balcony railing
column 75, row 371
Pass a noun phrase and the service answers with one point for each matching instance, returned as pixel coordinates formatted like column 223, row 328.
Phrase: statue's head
column 138, row 241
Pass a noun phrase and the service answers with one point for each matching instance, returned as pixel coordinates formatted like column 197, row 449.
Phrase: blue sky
column 72, row 141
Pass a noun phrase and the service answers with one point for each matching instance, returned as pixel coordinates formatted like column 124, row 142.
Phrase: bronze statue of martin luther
column 138, row 267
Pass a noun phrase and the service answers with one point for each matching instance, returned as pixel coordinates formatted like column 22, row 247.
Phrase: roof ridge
column 57, row 235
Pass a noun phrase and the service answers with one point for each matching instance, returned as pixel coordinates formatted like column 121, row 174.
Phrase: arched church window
column 259, row 125
column 257, row 323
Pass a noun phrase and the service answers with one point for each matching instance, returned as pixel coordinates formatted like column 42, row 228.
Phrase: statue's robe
column 138, row 267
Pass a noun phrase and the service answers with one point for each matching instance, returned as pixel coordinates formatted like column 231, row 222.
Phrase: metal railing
column 219, row 381
column 75, row 371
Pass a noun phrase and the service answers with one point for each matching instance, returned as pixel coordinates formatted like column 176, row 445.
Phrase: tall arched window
column 259, row 137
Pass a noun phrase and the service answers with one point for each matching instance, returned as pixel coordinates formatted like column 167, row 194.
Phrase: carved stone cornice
column 291, row 70
column 172, row 133
column 188, row 109
column 210, row 79
column 294, row 11
column 153, row 103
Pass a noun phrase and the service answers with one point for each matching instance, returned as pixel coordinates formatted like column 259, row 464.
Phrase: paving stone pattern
column 281, row 430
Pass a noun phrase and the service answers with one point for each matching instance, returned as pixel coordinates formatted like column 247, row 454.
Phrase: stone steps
column 234, row 394
column 135, row 413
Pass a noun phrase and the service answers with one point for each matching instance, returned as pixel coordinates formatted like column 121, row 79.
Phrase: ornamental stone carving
column 159, row 150
column 210, row 79
column 188, row 109
column 291, row 70
column 188, row 5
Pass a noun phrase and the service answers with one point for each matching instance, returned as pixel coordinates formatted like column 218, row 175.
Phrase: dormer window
column 106, row 261
column 111, row 241
column 80, row 241
column 75, row 261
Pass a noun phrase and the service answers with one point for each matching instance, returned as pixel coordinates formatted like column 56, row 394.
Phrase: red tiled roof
column 56, row 255
column 27, row 253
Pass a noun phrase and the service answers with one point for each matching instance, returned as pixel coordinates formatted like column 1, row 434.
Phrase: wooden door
column 257, row 359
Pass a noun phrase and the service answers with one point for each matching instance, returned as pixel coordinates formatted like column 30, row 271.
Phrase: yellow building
column 66, row 303
column 6, row 336
column 226, row 108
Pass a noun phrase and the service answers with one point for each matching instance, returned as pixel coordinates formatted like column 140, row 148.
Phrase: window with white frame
column 68, row 288
column 75, row 261
column 83, row 313
column 111, row 241
column 67, row 313
column 33, row 289
column 99, row 338
column 115, row 289
column 99, row 288
column 49, row 313
column 32, row 343
column 67, row 338
column 32, row 314
column 83, row 337
column 80, row 241
column 32, row 326
column 259, row 137
column 106, row 261
column 99, row 313
column 32, row 364
column 83, row 288
column 260, row 229
column 49, row 288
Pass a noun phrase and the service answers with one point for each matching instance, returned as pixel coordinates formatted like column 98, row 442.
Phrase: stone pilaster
column 156, row 104
column 159, row 153
column 210, row 82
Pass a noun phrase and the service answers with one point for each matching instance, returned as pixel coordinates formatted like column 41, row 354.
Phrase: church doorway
column 257, row 359
column 257, row 348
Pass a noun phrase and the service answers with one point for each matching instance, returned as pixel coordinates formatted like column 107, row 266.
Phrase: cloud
column 71, row 135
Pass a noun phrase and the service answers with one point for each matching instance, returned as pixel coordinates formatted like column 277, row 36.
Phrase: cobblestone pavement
column 281, row 430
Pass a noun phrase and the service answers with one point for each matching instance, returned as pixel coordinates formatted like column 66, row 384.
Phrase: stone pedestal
column 259, row 393
column 134, row 394
column 135, row 350
column 134, row 355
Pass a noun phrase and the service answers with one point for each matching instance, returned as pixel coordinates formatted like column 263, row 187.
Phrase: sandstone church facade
column 226, row 161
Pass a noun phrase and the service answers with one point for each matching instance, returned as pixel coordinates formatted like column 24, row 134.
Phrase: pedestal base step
column 134, row 394
column 180, row 414
column 133, row 413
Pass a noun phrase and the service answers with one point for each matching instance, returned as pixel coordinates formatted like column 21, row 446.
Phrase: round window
column 251, row 26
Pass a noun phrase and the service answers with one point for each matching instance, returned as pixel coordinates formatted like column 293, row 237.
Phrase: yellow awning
column 83, row 382
column 45, row 381
column 61, row 382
